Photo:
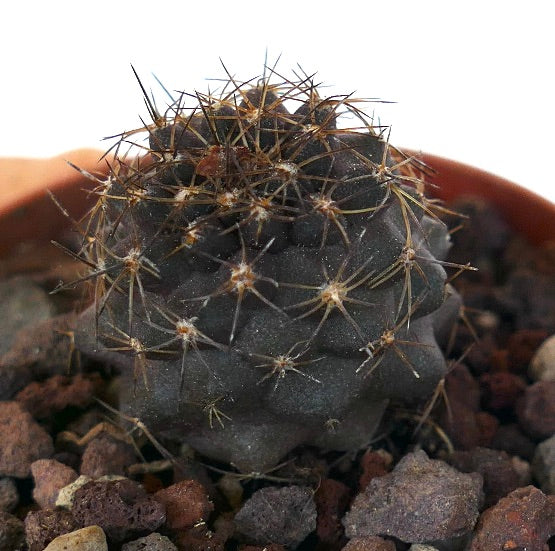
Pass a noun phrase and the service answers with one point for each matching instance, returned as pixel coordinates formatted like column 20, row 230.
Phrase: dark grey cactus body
column 264, row 278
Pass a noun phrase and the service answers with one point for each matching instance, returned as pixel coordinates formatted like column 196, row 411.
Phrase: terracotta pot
column 528, row 213
column 27, row 212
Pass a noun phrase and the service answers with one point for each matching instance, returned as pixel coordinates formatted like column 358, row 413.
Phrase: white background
column 473, row 80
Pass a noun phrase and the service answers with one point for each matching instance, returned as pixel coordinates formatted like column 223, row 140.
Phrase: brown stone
column 50, row 476
column 186, row 504
column 23, row 441
column 525, row 519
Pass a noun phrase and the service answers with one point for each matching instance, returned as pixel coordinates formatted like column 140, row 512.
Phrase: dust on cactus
column 268, row 274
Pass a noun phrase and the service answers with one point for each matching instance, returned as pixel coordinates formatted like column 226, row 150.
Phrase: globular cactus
column 266, row 275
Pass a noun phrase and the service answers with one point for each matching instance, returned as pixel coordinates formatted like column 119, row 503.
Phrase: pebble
column 374, row 463
column 332, row 499
column 525, row 519
column 90, row 538
column 500, row 390
column 12, row 532
column 41, row 349
column 50, row 476
column 9, row 496
column 22, row 303
column 285, row 516
column 106, row 455
column 152, row 542
column 65, row 495
column 511, row 439
column 12, row 378
column 463, row 421
column 186, row 504
column 421, row 547
column 421, row 500
column 496, row 468
column 542, row 365
column 23, row 441
column 536, row 410
column 369, row 543
column 202, row 539
column 521, row 347
column 44, row 398
column 121, row 508
column 543, row 465
column 232, row 490
column 41, row 527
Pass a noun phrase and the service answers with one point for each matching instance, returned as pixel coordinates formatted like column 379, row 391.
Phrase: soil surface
column 471, row 469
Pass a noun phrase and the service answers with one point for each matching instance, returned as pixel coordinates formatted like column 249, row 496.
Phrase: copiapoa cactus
column 266, row 274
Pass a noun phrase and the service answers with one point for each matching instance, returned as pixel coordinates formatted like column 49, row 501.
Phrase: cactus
column 267, row 274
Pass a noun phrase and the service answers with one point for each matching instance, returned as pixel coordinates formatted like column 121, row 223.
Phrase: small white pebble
column 488, row 321
column 542, row 365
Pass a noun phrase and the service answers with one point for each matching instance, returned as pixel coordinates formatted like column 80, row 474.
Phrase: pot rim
column 27, row 212
column 526, row 212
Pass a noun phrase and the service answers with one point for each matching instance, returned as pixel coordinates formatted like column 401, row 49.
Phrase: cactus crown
column 265, row 265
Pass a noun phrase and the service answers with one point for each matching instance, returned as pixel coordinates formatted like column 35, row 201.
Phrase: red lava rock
column 501, row 389
column 200, row 539
column 421, row 500
column 525, row 519
column 536, row 410
column 9, row 496
column 479, row 356
column 496, row 468
column 284, row 515
column 369, row 543
column 41, row 527
column 151, row 483
column 486, row 425
column 186, row 504
column 104, row 455
column 522, row 346
column 23, row 441
column 466, row 428
column 462, row 387
column 331, row 498
column 499, row 360
column 50, row 477
column 12, row 532
column 373, row 464
column 120, row 507
column 56, row 393
column 511, row 439
column 465, row 424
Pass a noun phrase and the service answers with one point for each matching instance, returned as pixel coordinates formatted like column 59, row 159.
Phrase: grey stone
column 8, row 495
column 543, row 465
column 420, row 501
column 285, row 516
column 152, row 542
